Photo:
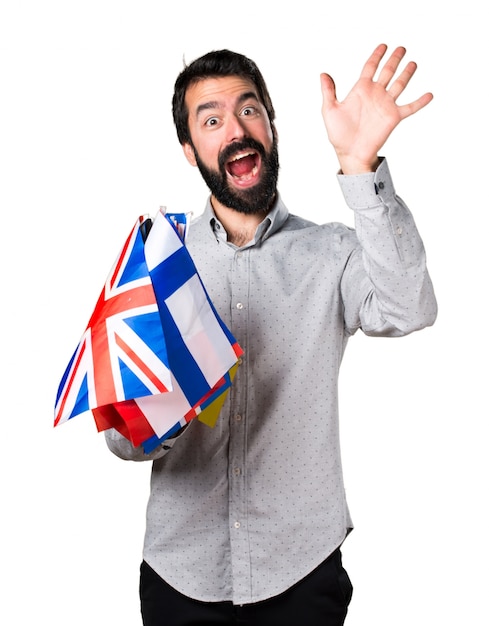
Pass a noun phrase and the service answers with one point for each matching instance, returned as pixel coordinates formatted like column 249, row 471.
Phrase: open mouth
column 244, row 166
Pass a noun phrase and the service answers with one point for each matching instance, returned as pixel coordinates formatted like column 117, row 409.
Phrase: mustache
column 238, row 146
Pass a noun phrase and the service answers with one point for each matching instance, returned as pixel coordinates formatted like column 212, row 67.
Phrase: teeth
column 241, row 156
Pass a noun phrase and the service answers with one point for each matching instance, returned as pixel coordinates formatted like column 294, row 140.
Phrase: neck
column 240, row 227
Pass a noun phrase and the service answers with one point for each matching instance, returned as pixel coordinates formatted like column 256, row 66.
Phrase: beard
column 254, row 200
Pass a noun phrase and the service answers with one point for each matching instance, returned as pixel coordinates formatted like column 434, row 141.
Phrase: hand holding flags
column 155, row 354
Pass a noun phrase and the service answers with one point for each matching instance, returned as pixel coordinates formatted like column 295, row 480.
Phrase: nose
column 235, row 130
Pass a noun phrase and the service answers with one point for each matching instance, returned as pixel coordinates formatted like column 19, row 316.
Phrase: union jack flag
column 122, row 353
column 155, row 353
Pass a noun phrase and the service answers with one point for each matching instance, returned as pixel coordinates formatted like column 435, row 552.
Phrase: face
column 233, row 144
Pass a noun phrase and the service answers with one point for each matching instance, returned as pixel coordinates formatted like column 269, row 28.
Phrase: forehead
column 218, row 92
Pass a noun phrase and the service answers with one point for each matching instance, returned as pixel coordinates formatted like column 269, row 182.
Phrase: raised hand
column 359, row 126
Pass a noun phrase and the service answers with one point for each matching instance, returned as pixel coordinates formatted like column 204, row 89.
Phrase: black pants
column 320, row 599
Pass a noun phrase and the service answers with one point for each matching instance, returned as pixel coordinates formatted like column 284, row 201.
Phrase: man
column 245, row 521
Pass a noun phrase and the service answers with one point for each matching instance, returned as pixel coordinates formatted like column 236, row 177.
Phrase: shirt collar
column 273, row 221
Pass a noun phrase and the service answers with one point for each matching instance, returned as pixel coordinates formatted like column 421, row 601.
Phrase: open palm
column 359, row 126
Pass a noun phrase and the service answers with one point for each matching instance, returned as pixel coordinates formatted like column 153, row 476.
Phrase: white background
column 87, row 144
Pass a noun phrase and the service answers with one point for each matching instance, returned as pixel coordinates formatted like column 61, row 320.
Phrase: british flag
column 155, row 353
column 122, row 353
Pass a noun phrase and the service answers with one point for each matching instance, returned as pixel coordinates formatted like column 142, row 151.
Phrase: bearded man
column 245, row 521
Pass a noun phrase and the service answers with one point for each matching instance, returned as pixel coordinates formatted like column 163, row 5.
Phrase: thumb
column 328, row 89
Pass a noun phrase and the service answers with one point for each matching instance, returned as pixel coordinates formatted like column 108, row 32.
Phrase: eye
column 211, row 121
column 249, row 111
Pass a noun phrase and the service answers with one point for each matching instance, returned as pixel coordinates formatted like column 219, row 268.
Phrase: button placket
column 237, row 424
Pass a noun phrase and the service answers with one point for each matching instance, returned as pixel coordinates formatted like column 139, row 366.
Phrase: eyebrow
column 214, row 104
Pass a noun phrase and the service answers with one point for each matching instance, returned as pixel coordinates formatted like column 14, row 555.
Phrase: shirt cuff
column 365, row 191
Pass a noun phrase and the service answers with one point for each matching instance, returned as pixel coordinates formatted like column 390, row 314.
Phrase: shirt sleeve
column 123, row 448
column 386, row 288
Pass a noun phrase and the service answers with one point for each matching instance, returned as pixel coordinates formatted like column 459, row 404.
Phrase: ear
column 189, row 153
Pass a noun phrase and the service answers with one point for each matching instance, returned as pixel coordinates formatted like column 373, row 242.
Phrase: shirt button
column 399, row 230
column 239, row 305
column 237, row 471
column 237, row 524
column 381, row 185
column 237, row 417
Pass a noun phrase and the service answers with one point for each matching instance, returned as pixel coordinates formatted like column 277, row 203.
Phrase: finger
column 408, row 109
column 328, row 89
column 401, row 82
column 391, row 66
column 373, row 61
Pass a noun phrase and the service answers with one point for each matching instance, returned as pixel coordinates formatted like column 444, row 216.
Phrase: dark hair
column 218, row 63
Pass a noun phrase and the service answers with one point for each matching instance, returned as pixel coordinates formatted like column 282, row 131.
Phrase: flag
column 122, row 353
column 155, row 353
